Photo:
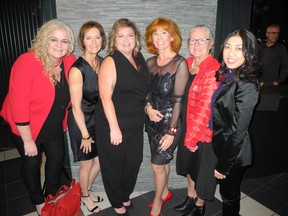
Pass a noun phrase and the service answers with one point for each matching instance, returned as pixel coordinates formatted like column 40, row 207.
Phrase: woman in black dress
column 168, row 78
column 83, row 87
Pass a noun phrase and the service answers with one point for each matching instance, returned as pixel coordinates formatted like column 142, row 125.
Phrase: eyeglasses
column 277, row 33
column 201, row 41
column 55, row 41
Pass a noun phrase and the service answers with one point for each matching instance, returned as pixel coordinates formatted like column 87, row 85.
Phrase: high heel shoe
column 90, row 210
column 130, row 206
column 159, row 212
column 186, row 206
column 126, row 213
column 98, row 198
column 168, row 197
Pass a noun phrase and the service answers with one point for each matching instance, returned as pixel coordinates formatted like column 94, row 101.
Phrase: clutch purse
column 66, row 201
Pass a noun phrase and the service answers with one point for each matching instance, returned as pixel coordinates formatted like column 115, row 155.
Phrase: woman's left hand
column 166, row 141
column 218, row 175
column 86, row 145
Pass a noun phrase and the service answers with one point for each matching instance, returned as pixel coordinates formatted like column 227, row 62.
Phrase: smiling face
column 58, row 44
column 92, row 41
column 200, row 51
column 233, row 52
column 161, row 39
column 125, row 40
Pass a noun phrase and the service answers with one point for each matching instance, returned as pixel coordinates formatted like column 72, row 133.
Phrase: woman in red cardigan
column 195, row 157
column 35, row 107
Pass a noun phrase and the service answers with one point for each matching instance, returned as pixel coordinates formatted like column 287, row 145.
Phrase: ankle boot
column 186, row 205
column 197, row 211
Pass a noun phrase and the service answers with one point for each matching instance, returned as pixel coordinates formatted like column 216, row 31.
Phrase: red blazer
column 31, row 93
column 199, row 102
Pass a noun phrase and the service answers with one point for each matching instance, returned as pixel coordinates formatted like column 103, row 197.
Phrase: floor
column 263, row 196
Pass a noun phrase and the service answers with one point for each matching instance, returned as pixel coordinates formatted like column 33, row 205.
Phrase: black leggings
column 30, row 167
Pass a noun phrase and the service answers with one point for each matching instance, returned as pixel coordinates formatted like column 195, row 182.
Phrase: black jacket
column 232, row 113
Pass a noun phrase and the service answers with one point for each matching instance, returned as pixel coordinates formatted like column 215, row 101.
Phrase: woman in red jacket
column 195, row 157
column 35, row 107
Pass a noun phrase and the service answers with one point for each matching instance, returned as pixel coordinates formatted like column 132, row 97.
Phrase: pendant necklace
column 95, row 67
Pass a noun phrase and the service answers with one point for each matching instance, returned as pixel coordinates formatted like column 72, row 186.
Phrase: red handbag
column 66, row 201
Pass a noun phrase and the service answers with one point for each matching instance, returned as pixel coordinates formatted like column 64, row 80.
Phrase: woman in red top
column 35, row 107
column 195, row 157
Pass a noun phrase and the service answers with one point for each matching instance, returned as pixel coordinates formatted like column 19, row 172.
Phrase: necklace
column 194, row 66
column 94, row 65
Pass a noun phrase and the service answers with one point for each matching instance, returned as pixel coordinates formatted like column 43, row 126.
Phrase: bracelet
column 86, row 138
column 172, row 131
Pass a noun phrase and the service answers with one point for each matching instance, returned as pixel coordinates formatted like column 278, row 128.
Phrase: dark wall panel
column 19, row 21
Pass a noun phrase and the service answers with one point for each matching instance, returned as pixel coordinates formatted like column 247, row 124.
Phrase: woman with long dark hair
column 233, row 105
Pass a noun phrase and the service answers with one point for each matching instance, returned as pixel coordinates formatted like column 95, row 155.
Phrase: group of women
column 197, row 104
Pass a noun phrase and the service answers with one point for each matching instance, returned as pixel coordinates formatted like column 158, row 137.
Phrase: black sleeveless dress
column 89, row 99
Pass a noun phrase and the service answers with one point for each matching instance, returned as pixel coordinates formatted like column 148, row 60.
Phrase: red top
column 31, row 93
column 199, row 100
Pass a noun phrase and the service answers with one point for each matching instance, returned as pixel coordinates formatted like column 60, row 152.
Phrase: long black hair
column 250, row 68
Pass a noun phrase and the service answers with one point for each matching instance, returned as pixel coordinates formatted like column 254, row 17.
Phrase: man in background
column 273, row 57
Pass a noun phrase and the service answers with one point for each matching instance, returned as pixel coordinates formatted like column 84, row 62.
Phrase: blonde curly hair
column 41, row 42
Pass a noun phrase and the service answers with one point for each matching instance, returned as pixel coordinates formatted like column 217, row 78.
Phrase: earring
column 171, row 43
column 153, row 46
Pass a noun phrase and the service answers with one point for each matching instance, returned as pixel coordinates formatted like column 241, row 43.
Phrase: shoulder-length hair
column 167, row 25
column 85, row 28
column 123, row 23
column 41, row 42
column 249, row 69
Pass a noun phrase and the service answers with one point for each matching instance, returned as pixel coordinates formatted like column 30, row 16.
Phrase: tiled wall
column 186, row 13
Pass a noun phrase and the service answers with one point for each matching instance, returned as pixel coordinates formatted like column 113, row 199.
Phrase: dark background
column 266, row 12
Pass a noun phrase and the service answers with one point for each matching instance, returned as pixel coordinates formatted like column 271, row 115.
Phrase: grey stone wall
column 186, row 13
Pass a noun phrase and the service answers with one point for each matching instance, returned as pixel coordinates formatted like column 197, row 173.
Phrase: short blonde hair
column 122, row 23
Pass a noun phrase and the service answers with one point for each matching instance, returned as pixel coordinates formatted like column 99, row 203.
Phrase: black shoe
column 197, row 211
column 186, row 206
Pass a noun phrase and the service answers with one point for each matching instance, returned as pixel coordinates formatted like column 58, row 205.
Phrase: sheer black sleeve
column 181, row 79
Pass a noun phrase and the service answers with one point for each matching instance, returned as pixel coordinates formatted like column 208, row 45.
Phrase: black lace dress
column 166, row 91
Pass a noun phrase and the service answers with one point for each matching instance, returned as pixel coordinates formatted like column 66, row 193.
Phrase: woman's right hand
column 116, row 136
column 30, row 148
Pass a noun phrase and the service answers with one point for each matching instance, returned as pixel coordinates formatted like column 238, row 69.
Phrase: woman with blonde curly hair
column 35, row 107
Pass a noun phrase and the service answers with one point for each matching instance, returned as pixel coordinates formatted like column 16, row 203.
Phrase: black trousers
column 30, row 167
column 119, row 164
column 230, row 191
